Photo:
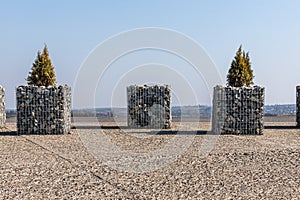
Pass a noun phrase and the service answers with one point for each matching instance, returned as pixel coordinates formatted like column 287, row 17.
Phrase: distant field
column 284, row 119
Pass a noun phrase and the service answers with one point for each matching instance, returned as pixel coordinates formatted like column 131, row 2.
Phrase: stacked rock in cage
column 298, row 105
column 2, row 107
column 43, row 110
column 149, row 106
column 238, row 110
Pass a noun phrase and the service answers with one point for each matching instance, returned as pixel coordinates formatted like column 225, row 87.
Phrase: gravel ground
column 237, row 167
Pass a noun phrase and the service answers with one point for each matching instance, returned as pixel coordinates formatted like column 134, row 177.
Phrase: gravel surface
column 238, row 167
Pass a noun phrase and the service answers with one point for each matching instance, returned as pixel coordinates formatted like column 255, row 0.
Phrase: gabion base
column 2, row 107
column 298, row 105
column 149, row 106
column 43, row 110
column 238, row 110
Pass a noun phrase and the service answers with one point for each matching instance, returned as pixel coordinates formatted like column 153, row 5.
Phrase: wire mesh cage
column 149, row 106
column 43, row 110
column 298, row 105
column 2, row 107
column 238, row 110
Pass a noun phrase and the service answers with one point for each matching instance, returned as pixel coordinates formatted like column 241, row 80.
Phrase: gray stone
column 298, row 105
column 238, row 110
column 2, row 107
column 43, row 110
column 149, row 106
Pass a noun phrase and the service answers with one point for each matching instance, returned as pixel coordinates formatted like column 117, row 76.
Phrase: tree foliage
column 42, row 71
column 240, row 72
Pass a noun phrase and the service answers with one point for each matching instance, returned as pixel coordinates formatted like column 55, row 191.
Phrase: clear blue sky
column 269, row 30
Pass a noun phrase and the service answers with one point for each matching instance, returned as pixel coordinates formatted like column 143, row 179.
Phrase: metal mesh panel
column 43, row 110
column 238, row 110
column 298, row 105
column 2, row 107
column 149, row 106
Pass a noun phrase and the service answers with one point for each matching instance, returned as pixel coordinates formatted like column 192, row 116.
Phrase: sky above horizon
column 269, row 30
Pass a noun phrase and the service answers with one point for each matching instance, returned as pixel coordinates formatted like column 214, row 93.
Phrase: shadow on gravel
column 86, row 127
column 8, row 133
column 100, row 127
column 115, row 127
column 159, row 132
column 281, row 127
column 170, row 132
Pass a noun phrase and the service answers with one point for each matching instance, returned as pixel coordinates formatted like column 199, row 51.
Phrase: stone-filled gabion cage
column 2, row 107
column 43, row 110
column 298, row 105
column 238, row 110
column 149, row 106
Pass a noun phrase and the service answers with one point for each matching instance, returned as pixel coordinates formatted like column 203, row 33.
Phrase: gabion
column 298, row 105
column 238, row 110
column 2, row 107
column 149, row 106
column 43, row 110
